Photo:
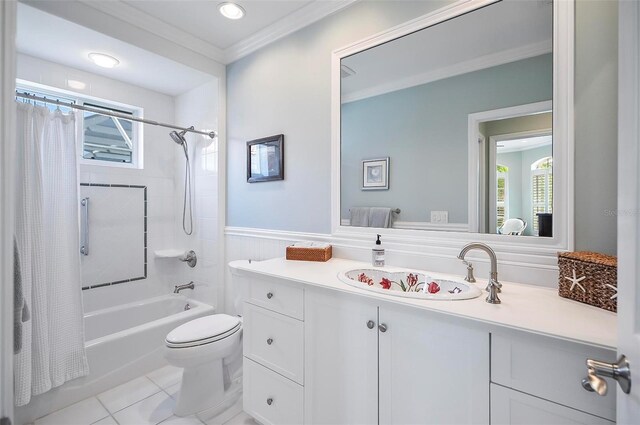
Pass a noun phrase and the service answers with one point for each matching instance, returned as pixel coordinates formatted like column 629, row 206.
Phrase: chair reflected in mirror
column 512, row 226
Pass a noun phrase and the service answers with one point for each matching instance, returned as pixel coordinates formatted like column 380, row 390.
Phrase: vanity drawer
column 271, row 398
column 275, row 341
column 551, row 369
column 510, row 407
column 277, row 296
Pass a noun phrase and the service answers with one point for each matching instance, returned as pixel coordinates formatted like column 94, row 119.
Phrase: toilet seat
column 204, row 330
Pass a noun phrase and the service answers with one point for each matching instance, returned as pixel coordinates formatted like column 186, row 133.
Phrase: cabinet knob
column 269, row 401
column 370, row 324
column 382, row 327
column 269, row 341
column 269, row 295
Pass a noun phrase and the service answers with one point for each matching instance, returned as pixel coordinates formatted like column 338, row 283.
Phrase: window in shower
column 107, row 140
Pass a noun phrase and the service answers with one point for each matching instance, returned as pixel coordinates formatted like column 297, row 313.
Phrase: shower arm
column 211, row 134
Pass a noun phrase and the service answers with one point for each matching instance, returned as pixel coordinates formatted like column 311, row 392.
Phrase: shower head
column 178, row 137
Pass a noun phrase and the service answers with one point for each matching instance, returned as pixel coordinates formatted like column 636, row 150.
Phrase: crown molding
column 299, row 19
column 477, row 64
column 289, row 24
column 129, row 14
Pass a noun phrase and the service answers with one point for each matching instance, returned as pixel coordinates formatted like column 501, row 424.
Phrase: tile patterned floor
column 148, row 400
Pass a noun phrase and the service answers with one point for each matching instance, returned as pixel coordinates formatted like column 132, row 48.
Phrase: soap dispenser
column 377, row 254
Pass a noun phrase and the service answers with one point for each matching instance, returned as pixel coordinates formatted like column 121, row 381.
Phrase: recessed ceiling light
column 103, row 60
column 75, row 84
column 231, row 10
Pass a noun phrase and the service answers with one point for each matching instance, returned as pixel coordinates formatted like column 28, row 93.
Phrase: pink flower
column 365, row 279
column 433, row 288
column 412, row 279
column 386, row 283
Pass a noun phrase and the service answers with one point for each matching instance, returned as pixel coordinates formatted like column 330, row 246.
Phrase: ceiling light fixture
column 75, row 84
column 103, row 60
column 231, row 10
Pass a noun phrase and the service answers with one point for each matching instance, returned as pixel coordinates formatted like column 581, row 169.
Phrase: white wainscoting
column 262, row 244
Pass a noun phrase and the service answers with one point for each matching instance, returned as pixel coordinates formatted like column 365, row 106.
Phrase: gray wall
column 424, row 131
column 596, row 119
column 285, row 88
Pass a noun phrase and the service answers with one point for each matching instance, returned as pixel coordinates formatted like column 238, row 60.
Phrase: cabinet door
column 341, row 359
column 516, row 408
column 432, row 371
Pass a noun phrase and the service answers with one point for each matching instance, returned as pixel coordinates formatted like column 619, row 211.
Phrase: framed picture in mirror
column 265, row 159
column 375, row 174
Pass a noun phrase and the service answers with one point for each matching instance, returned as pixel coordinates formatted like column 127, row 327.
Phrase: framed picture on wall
column 265, row 159
column 375, row 174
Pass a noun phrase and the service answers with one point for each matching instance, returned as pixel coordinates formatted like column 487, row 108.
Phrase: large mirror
column 460, row 116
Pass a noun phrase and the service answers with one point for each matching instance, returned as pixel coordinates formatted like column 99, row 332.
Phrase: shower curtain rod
column 211, row 134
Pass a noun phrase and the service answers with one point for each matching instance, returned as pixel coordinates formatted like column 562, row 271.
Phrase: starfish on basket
column 576, row 281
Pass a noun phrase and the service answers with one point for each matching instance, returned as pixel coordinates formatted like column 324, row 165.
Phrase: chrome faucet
column 179, row 288
column 493, row 287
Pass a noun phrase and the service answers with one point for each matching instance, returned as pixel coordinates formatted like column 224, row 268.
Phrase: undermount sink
column 409, row 284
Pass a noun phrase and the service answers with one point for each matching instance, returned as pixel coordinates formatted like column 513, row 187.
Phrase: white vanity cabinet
column 431, row 370
column 370, row 362
column 273, row 347
column 537, row 379
column 320, row 352
column 341, row 358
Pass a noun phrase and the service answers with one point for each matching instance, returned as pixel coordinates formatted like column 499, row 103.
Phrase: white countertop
column 524, row 307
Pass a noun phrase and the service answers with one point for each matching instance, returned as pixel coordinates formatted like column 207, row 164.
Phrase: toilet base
column 202, row 387
column 230, row 406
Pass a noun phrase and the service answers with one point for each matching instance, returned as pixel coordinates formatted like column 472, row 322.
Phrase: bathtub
column 122, row 342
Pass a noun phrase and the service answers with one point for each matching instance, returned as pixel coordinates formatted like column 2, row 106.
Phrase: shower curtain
column 47, row 236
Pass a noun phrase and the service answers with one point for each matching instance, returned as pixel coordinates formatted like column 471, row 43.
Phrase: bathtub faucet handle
column 179, row 288
column 190, row 258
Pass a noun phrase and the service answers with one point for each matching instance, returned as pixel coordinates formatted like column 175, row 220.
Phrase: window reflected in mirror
column 521, row 187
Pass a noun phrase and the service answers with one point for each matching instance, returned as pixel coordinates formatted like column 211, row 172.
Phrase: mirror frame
column 512, row 247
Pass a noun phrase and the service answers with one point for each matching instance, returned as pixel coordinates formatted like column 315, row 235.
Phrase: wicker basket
column 309, row 254
column 590, row 278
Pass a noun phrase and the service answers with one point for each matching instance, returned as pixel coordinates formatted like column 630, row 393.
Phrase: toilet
column 210, row 351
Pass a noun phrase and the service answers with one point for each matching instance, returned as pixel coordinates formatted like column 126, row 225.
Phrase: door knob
column 382, row 327
column 371, row 324
column 270, row 295
column 597, row 370
column 269, row 401
column 270, row 341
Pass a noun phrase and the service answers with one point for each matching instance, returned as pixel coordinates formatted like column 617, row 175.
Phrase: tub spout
column 179, row 288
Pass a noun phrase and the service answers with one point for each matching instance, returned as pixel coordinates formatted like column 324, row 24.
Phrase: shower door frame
column 7, row 150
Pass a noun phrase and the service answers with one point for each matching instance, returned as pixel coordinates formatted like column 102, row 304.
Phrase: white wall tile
column 198, row 107
column 159, row 159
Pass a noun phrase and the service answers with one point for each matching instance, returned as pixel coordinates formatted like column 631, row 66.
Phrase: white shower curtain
column 47, row 235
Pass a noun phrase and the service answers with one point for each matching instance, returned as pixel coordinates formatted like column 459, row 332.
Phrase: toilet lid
column 203, row 328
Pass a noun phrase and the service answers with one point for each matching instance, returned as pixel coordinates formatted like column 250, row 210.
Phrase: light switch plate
column 441, row 217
